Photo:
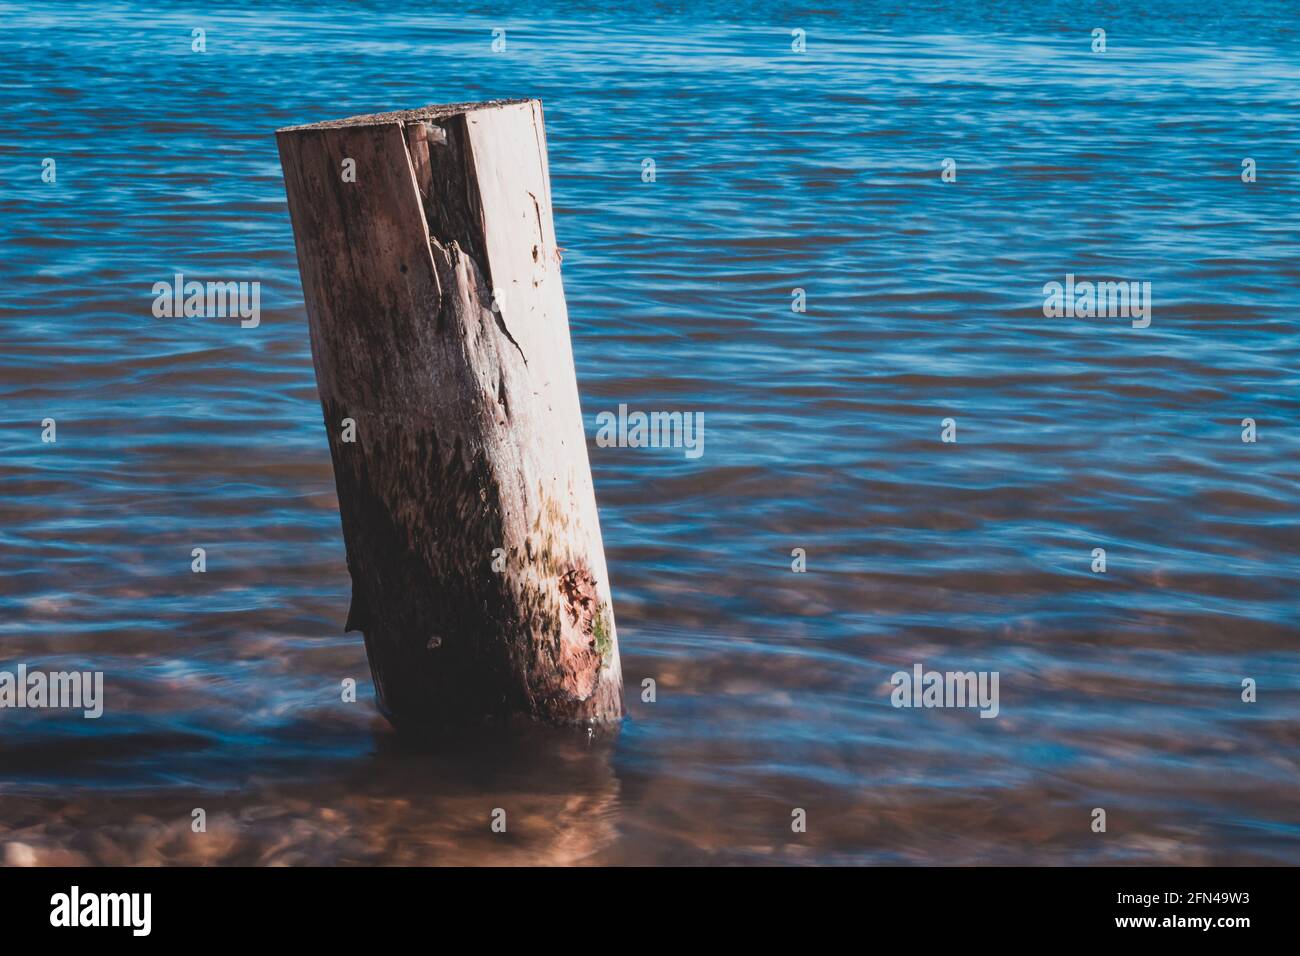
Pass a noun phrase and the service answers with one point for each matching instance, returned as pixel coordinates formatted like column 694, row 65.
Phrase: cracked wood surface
column 438, row 323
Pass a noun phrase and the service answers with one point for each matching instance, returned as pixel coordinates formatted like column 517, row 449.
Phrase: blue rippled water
column 775, row 170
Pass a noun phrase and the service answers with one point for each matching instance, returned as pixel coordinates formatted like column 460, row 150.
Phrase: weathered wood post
column 440, row 338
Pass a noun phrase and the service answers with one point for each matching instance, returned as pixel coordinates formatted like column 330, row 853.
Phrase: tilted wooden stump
column 438, row 326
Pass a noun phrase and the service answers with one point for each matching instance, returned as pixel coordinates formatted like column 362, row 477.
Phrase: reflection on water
column 774, row 171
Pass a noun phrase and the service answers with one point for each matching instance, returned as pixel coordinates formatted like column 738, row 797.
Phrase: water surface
column 774, row 171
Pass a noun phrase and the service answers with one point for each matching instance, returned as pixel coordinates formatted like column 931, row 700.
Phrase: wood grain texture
column 438, row 324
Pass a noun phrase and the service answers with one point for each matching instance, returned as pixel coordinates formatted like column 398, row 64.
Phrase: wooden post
column 440, row 338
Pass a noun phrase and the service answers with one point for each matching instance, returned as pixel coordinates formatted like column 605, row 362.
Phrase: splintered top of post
column 407, row 116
